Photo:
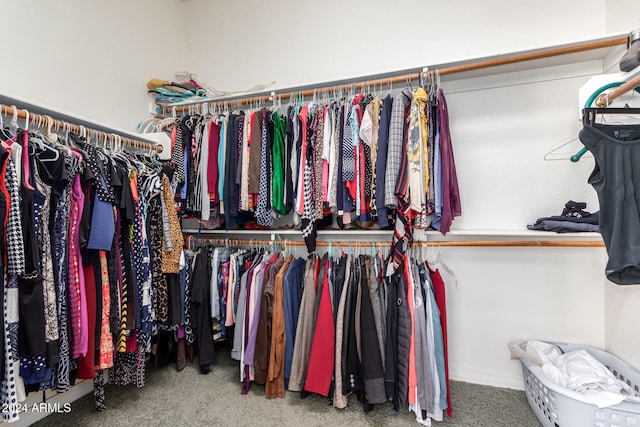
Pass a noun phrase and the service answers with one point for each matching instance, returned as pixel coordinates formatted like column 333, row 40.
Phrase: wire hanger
column 557, row 152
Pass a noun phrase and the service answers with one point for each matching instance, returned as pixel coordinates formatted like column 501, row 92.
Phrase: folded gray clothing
column 594, row 219
column 564, row 226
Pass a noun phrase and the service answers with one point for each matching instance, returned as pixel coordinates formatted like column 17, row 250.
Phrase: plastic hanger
column 26, row 121
column 13, row 125
column 440, row 264
column 36, row 141
column 373, row 258
column 46, row 147
column 5, row 132
column 37, row 120
column 597, row 97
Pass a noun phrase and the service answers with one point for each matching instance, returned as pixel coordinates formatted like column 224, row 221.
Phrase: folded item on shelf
column 573, row 219
column 563, row 226
column 575, row 210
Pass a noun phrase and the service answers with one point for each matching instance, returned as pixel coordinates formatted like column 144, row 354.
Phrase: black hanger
column 589, row 119
column 589, row 114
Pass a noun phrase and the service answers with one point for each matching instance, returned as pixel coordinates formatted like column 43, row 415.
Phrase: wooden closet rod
column 605, row 99
column 43, row 120
column 291, row 92
column 469, row 243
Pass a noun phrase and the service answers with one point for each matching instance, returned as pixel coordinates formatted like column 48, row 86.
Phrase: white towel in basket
column 537, row 351
column 577, row 371
column 581, row 372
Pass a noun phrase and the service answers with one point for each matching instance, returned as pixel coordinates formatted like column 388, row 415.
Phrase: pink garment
column 413, row 379
column 258, row 275
column 325, row 181
column 364, row 204
column 229, row 279
column 212, row 170
column 25, row 161
column 325, row 162
column 304, row 115
column 77, row 295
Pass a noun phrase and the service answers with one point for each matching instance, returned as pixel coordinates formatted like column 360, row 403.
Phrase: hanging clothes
column 200, row 310
column 336, row 327
column 303, row 337
column 361, row 161
column 83, row 283
column 276, row 367
column 321, row 356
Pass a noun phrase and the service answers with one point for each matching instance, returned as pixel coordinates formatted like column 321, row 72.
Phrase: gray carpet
column 187, row 397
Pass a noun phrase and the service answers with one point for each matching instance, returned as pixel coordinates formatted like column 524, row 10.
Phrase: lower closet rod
column 539, row 243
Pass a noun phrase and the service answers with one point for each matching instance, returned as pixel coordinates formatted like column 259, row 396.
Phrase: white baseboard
column 82, row 388
column 489, row 377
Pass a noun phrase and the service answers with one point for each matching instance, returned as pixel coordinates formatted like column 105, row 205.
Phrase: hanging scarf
column 417, row 154
column 402, row 231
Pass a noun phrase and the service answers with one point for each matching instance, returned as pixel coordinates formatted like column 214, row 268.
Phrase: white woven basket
column 556, row 406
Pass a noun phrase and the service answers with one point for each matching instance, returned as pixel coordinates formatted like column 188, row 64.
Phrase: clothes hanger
column 589, row 115
column 5, row 132
column 45, row 147
column 557, row 152
column 32, row 141
column 53, row 137
column 601, row 98
column 13, row 125
column 439, row 262
column 373, row 258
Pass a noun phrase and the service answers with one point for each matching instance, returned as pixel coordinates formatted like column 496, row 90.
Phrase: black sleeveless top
column 616, row 179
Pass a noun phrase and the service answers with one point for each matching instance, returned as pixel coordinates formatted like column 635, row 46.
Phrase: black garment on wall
column 616, row 150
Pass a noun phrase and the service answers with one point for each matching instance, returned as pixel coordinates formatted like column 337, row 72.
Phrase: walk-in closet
column 297, row 213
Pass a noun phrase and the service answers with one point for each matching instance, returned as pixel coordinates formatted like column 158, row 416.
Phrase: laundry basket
column 556, row 406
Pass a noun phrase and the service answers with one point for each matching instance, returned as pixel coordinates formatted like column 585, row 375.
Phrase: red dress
column 441, row 300
column 322, row 355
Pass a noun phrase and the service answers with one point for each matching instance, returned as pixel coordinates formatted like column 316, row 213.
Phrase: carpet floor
column 188, row 397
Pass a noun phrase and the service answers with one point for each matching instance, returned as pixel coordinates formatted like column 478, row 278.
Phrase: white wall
column 502, row 126
column 88, row 57
column 622, row 15
column 303, row 42
column 506, row 294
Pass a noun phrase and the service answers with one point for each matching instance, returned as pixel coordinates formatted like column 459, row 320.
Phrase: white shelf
column 525, row 234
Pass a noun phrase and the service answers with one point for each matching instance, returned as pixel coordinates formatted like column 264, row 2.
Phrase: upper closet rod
column 60, row 124
column 294, row 92
column 496, row 243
